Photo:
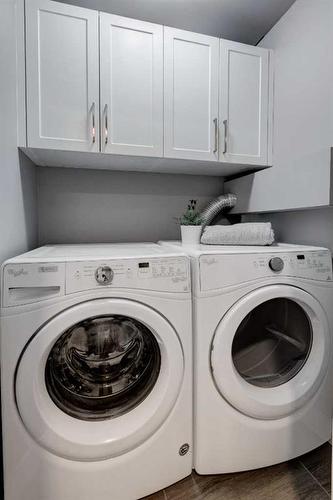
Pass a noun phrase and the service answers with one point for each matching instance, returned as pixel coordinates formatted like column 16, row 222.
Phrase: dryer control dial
column 276, row 264
column 104, row 275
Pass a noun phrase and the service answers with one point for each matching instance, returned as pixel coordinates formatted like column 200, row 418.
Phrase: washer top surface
column 197, row 250
column 66, row 253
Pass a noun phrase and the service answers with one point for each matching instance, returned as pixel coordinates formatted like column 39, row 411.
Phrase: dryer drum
column 272, row 343
column 102, row 367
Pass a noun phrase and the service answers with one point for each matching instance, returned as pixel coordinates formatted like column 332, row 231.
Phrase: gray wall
column 77, row 206
column 18, row 208
column 314, row 227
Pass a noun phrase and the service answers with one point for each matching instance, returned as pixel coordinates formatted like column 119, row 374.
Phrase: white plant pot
column 191, row 235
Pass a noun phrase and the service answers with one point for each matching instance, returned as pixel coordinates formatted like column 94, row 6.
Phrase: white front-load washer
column 263, row 320
column 96, row 372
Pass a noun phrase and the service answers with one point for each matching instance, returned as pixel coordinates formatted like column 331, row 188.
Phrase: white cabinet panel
column 191, row 64
column 244, row 103
column 62, row 76
column 97, row 82
column 131, row 86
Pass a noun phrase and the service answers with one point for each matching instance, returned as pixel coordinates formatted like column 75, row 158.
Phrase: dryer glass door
column 272, row 343
column 102, row 367
column 270, row 351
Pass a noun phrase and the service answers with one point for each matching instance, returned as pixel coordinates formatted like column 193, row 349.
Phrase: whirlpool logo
column 17, row 272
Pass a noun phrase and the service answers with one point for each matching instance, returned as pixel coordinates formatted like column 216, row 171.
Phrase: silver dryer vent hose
column 221, row 204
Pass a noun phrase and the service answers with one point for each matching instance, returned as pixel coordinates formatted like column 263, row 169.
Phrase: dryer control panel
column 219, row 271
column 159, row 274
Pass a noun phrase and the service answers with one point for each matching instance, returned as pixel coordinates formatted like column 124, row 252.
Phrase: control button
column 104, row 275
column 276, row 264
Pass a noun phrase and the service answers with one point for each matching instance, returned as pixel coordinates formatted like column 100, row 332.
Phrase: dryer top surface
column 197, row 250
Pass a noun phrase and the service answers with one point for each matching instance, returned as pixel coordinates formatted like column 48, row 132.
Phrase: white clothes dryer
column 96, row 372
column 263, row 320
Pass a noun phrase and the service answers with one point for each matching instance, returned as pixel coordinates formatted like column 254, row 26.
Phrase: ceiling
column 240, row 20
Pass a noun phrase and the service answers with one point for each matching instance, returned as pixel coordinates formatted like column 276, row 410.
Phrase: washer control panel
column 219, row 271
column 160, row 274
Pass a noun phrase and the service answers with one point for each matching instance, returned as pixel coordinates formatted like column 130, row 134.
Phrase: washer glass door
column 270, row 351
column 99, row 378
column 102, row 367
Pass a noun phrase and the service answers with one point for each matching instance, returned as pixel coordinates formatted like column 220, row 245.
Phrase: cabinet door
column 131, row 86
column 244, row 109
column 62, row 76
column 191, row 64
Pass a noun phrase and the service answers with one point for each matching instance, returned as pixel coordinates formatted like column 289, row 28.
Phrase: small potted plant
column 190, row 225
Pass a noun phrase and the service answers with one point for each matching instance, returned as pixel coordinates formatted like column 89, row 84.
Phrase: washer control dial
column 104, row 275
column 276, row 264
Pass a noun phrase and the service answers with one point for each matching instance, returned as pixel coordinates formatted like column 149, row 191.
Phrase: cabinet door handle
column 216, row 135
column 93, row 123
column 106, row 125
column 225, row 125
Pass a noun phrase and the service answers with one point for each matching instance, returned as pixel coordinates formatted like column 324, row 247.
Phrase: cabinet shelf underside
column 74, row 159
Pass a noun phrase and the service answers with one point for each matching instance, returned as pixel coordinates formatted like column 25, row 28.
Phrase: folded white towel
column 248, row 233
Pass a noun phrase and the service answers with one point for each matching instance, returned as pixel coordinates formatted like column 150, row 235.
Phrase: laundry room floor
column 308, row 477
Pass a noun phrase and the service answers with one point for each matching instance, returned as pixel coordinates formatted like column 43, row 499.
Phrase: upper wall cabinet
column 62, row 76
column 244, row 103
column 131, row 58
column 191, row 63
column 121, row 88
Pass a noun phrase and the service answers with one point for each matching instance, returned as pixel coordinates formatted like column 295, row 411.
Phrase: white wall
column 18, row 206
column 77, row 206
